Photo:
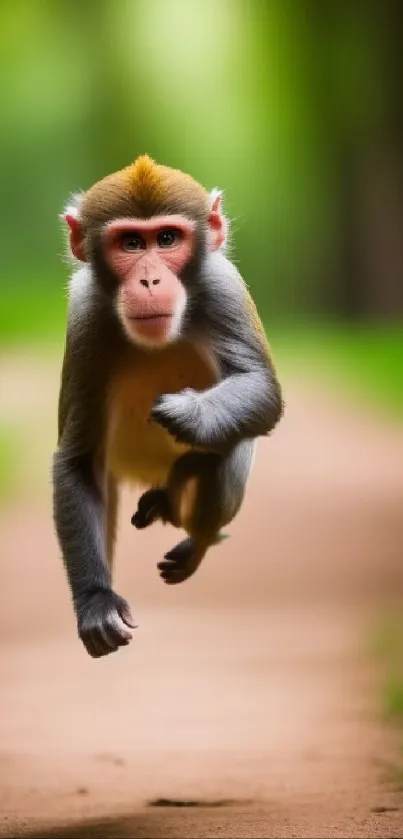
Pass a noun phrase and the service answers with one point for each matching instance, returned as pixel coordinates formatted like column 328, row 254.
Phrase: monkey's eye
column 132, row 242
column 168, row 237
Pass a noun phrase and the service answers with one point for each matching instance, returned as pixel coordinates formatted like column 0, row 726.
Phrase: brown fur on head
column 142, row 190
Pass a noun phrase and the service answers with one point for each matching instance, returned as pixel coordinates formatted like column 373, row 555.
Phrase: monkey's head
column 144, row 231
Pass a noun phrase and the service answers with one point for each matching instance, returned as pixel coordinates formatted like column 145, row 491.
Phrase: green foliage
column 388, row 649
column 32, row 315
column 393, row 695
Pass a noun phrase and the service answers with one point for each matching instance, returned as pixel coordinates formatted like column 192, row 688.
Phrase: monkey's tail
column 221, row 537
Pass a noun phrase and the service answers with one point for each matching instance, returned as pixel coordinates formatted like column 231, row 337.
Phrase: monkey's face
column 148, row 258
column 144, row 231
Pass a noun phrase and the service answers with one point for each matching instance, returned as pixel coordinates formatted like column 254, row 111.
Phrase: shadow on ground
column 164, row 823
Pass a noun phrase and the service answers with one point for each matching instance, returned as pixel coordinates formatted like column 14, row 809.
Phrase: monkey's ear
column 71, row 216
column 216, row 220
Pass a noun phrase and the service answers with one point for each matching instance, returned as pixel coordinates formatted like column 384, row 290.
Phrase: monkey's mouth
column 152, row 327
column 153, row 317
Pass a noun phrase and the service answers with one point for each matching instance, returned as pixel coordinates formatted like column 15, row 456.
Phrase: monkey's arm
column 247, row 402
column 80, row 511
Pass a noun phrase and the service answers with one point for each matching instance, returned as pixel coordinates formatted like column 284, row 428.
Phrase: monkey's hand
column 181, row 415
column 103, row 620
column 192, row 417
column 239, row 407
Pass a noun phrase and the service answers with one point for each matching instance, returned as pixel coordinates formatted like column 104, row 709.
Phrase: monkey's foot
column 152, row 505
column 180, row 562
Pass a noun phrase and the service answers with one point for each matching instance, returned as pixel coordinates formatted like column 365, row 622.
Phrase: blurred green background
column 293, row 107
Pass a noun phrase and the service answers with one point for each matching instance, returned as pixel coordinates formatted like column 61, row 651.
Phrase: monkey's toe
column 182, row 552
column 144, row 519
column 172, row 573
column 179, row 563
column 151, row 506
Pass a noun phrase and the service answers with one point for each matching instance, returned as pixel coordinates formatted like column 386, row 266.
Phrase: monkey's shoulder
column 138, row 449
column 230, row 286
column 256, row 321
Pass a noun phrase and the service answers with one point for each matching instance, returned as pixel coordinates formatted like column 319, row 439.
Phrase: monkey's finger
column 116, row 636
column 122, row 619
column 95, row 645
column 106, row 637
column 112, row 636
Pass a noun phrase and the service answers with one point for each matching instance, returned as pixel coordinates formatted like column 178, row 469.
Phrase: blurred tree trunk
column 363, row 134
column 108, row 125
column 371, row 241
column 371, row 189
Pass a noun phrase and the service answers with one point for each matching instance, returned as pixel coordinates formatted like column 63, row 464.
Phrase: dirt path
column 247, row 692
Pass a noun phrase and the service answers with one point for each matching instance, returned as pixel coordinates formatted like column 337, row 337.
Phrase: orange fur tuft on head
column 141, row 190
column 144, row 179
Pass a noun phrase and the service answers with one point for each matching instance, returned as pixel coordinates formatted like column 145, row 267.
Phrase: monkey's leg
column 152, row 505
column 206, row 492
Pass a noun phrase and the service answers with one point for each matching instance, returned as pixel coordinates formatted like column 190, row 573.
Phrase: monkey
column 167, row 381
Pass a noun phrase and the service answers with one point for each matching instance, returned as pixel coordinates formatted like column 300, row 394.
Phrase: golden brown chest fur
column 138, row 450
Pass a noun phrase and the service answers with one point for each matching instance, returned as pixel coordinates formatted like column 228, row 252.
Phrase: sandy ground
column 248, row 693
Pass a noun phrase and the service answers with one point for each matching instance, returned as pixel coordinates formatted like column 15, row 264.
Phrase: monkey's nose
column 147, row 283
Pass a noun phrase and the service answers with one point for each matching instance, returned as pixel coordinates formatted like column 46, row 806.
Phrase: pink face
column 148, row 256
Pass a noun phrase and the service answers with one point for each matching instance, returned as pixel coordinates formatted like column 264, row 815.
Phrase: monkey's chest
column 139, row 450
